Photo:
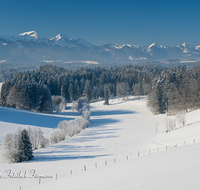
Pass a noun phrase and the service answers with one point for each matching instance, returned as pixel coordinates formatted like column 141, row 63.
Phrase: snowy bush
column 57, row 136
column 9, row 151
column 82, row 104
column 68, row 128
column 86, row 115
column 72, row 127
column 58, row 103
column 44, row 142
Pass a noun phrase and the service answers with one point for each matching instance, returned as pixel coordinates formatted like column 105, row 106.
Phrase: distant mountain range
column 33, row 49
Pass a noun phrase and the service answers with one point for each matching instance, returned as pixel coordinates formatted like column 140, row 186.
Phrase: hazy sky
column 166, row 22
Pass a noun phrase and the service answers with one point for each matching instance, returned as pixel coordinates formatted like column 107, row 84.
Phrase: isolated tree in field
column 106, row 94
column 25, row 151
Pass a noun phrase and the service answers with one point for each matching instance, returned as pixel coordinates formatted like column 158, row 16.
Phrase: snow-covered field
column 125, row 147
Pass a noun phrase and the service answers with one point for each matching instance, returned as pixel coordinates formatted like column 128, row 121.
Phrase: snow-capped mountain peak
column 32, row 36
column 197, row 47
column 186, row 45
column 154, row 45
column 60, row 37
column 63, row 40
column 30, row 33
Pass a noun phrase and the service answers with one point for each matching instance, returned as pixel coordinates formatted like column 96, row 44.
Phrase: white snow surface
column 111, row 142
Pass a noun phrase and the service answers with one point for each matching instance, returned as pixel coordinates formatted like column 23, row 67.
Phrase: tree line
column 33, row 90
column 47, row 89
column 175, row 90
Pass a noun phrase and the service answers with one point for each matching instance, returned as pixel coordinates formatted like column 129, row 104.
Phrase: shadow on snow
column 112, row 112
column 23, row 117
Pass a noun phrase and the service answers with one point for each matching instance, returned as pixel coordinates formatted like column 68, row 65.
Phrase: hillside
column 116, row 131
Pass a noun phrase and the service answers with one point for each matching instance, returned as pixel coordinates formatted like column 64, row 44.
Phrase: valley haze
column 32, row 49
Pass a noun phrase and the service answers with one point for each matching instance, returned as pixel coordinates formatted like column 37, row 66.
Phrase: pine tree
column 25, row 151
column 106, row 94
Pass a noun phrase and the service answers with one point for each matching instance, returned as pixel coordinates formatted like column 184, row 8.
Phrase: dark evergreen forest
column 169, row 89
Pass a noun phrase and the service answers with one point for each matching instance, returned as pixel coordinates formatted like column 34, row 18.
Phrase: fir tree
column 25, row 151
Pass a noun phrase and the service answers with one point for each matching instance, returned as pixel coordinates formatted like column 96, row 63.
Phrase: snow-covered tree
column 87, row 90
column 106, row 94
column 25, row 151
column 59, row 103
column 9, row 151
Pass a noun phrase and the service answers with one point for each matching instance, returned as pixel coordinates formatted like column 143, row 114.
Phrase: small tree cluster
column 170, row 124
column 37, row 138
column 181, row 117
column 26, row 95
column 17, row 147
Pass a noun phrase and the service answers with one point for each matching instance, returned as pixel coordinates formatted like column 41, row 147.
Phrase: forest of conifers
column 169, row 90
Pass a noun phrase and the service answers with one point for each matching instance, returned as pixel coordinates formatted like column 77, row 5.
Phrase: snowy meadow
column 124, row 147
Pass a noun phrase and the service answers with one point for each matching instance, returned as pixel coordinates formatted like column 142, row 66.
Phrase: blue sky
column 167, row 22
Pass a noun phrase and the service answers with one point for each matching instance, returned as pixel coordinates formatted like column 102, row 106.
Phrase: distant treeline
column 32, row 90
column 169, row 89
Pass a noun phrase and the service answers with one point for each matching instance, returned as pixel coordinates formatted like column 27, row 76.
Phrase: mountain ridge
column 31, row 47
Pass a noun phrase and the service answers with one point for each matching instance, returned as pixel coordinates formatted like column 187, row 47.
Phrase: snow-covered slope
column 31, row 36
column 109, row 150
column 62, row 40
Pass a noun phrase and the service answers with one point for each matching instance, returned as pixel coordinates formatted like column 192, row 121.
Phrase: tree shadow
column 23, row 117
column 65, row 152
column 65, row 157
column 112, row 112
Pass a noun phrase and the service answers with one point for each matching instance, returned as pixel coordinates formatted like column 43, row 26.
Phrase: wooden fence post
column 84, row 168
